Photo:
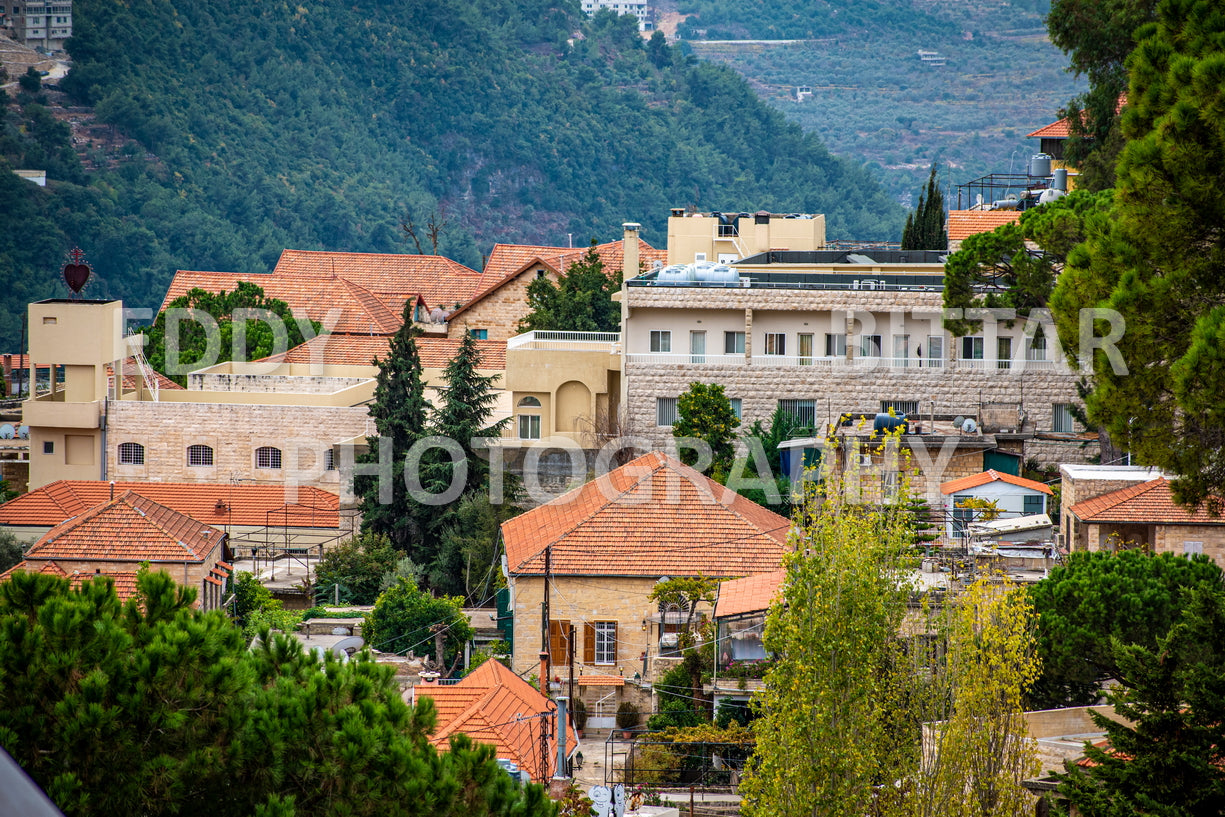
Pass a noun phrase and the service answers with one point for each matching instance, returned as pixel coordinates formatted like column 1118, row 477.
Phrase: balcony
column 47, row 413
column 559, row 341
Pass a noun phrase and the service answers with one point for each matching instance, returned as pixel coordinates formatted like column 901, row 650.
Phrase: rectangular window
column 733, row 343
column 962, row 517
column 870, row 346
column 48, row 447
column 1032, row 505
column 804, row 348
column 606, row 642
column 776, row 343
column 901, row 350
column 1003, row 353
column 479, row 334
column 736, row 404
column 697, row 347
column 972, row 348
column 1192, row 548
column 835, row 345
column 902, row 408
column 1037, row 347
column 529, row 426
column 805, row 411
column 329, row 459
column 935, row 351
column 665, row 412
column 661, row 340
column 1061, row 418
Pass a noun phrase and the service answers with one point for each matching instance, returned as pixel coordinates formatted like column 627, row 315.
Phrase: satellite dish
column 969, row 426
column 7, row 431
column 24, row 432
column 959, row 420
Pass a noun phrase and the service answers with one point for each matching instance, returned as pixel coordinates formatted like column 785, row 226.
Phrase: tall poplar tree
column 401, row 414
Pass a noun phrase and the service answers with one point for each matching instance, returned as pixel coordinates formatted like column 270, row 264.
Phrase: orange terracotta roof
column 975, row 480
column 360, row 350
column 129, row 528
column 494, row 705
column 600, row 681
column 124, row 581
column 214, row 504
column 1063, row 128
column 441, row 281
column 132, row 376
column 964, row 223
column 651, row 517
column 748, row 595
column 311, row 296
column 1149, row 502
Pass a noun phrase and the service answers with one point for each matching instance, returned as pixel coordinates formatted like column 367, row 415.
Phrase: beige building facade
column 726, row 237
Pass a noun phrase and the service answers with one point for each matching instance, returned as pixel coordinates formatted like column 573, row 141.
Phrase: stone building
column 594, row 555
column 42, row 24
column 116, row 538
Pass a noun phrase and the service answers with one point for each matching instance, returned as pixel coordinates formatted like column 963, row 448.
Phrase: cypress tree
column 468, row 400
column 400, row 412
column 924, row 228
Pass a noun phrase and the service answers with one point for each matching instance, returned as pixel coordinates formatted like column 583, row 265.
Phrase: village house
column 117, row 537
column 1012, row 496
column 582, row 567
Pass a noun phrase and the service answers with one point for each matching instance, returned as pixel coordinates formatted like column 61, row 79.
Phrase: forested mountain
column 319, row 125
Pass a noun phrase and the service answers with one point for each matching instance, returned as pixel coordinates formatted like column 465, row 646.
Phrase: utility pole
column 544, row 622
column 570, row 658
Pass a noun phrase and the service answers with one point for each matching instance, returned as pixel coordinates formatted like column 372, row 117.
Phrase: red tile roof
column 600, row 681
column 360, row 350
column 494, row 705
column 131, row 376
column 1149, row 502
column 1063, row 128
column 748, row 595
column 214, row 504
column 129, row 528
column 650, row 517
column 964, row 223
column 441, row 281
column 975, row 480
column 124, row 581
column 362, row 311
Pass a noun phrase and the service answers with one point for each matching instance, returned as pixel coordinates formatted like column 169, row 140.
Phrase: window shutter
column 558, row 631
column 588, row 643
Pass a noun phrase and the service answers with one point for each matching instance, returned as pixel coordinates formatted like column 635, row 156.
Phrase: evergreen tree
column 704, row 412
column 407, row 619
column 353, row 570
column 580, row 301
column 468, row 401
column 1159, row 266
column 1169, row 761
column 400, row 412
column 924, row 228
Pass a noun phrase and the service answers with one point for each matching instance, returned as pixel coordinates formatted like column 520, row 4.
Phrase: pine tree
column 400, row 412
column 924, row 228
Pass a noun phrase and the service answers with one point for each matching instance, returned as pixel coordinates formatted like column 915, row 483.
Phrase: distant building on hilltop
column 43, row 24
column 638, row 8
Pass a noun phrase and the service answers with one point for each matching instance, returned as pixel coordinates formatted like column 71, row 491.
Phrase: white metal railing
column 687, row 358
column 994, row 364
column 566, row 341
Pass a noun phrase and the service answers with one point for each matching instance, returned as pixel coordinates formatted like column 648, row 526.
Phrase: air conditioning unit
column 865, row 459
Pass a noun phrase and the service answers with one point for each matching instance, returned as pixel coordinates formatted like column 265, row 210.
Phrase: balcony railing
column 554, row 340
column 860, row 362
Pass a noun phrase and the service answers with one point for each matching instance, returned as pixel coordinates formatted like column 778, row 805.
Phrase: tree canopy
column 408, row 619
column 1101, row 598
column 153, row 707
column 925, row 228
column 1156, row 388
column 704, row 412
column 580, row 301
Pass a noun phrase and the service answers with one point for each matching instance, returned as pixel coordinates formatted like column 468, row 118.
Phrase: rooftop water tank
column 676, row 274
column 1060, row 181
column 1039, row 166
column 709, row 273
column 888, row 422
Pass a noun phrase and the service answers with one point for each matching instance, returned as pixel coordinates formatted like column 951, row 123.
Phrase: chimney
column 544, row 673
column 629, row 257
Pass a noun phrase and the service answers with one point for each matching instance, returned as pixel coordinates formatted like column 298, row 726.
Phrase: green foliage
column 580, row 301
column 256, row 611
column 466, row 559
column 249, row 596
column 31, row 81
column 628, row 715
column 1173, row 691
column 925, row 224
column 705, row 413
column 998, row 270
column 357, row 566
column 11, row 551
column 400, row 412
column 1098, row 38
column 407, row 619
column 191, row 341
column 1099, row 598
column 156, row 708
column 1159, row 266
column 686, row 593
column 783, row 426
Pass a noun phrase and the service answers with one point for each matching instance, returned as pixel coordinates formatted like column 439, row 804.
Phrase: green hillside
column 320, row 125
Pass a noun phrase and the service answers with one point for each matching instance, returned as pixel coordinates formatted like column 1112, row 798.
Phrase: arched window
column 267, row 457
column 131, row 454
column 198, row 455
column 529, row 402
